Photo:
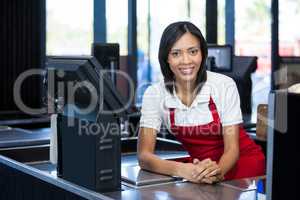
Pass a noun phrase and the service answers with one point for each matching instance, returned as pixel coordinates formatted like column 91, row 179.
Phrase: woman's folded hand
column 212, row 172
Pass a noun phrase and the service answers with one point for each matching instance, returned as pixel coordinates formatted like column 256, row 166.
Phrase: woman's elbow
column 143, row 160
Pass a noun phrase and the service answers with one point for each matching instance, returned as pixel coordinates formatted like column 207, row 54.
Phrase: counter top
column 243, row 189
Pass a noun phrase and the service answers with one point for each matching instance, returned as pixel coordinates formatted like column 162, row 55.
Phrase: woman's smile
column 186, row 70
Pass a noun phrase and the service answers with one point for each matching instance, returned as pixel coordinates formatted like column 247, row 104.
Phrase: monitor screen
column 108, row 55
column 219, row 58
column 80, row 83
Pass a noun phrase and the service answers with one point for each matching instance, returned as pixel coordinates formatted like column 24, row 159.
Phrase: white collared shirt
column 157, row 101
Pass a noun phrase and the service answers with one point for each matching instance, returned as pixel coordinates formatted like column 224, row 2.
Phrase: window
column 253, row 38
column 221, row 22
column 143, row 49
column 197, row 14
column 289, row 36
column 117, row 23
column 71, row 32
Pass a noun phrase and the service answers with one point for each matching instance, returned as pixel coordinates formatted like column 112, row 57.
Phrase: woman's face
column 185, row 58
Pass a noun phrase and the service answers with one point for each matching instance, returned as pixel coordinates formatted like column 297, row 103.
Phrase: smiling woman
column 201, row 109
column 185, row 58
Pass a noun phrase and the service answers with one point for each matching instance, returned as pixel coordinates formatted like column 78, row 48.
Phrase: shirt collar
column 173, row 101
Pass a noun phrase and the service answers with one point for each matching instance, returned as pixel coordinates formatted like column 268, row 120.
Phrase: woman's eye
column 175, row 54
column 193, row 51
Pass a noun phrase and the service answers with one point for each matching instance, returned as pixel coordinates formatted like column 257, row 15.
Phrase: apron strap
column 213, row 110
column 172, row 116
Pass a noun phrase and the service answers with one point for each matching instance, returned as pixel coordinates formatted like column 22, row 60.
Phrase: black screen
column 83, row 77
column 220, row 57
column 108, row 55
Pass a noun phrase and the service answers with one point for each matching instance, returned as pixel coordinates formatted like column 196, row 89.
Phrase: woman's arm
column 149, row 161
column 231, row 148
column 231, row 113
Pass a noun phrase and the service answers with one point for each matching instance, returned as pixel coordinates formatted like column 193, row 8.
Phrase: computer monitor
column 242, row 68
column 108, row 55
column 219, row 58
column 83, row 77
column 88, row 126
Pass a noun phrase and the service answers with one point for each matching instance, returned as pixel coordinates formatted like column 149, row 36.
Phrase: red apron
column 206, row 141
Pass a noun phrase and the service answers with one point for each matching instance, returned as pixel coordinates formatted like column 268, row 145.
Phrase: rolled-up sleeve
column 231, row 110
column 151, row 113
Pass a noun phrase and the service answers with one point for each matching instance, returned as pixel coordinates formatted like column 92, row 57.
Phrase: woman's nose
column 185, row 58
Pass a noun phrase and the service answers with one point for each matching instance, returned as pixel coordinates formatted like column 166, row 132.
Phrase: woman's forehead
column 186, row 41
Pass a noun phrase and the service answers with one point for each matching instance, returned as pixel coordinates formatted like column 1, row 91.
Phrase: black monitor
column 108, row 55
column 219, row 58
column 84, row 77
column 242, row 68
column 88, row 126
column 283, row 145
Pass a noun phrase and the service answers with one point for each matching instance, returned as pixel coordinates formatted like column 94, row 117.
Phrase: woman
column 201, row 109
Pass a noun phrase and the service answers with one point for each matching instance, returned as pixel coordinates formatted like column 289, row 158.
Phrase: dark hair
column 171, row 35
